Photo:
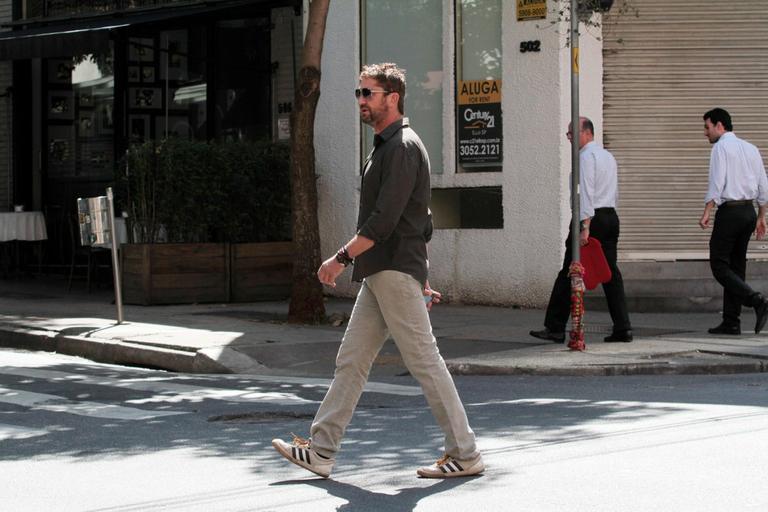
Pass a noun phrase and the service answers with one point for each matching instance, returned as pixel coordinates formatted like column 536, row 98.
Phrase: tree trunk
column 306, row 304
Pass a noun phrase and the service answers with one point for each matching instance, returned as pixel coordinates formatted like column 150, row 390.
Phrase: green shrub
column 206, row 192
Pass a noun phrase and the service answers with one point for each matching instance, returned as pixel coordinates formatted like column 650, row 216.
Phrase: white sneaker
column 301, row 453
column 448, row 467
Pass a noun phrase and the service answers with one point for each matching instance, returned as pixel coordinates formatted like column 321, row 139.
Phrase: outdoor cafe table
column 27, row 226
column 21, row 226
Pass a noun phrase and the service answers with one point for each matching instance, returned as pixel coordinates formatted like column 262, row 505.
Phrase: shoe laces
column 299, row 441
column 442, row 460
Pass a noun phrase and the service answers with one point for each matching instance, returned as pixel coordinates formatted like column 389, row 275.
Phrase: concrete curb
column 103, row 351
column 222, row 359
column 755, row 366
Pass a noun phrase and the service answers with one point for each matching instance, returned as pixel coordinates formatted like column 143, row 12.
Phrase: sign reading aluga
column 479, row 127
column 531, row 10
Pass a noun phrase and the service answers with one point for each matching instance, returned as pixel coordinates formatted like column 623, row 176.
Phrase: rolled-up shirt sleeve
column 717, row 167
column 397, row 183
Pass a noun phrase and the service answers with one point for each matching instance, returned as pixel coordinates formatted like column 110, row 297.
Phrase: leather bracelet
column 343, row 257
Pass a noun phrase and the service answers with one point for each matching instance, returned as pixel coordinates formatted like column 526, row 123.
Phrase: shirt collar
column 727, row 134
column 589, row 145
column 389, row 131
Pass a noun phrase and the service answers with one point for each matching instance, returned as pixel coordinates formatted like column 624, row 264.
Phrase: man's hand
column 436, row 296
column 584, row 236
column 704, row 220
column 329, row 271
column 760, row 229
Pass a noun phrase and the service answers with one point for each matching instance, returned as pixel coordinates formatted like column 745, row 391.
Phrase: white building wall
column 337, row 133
column 513, row 265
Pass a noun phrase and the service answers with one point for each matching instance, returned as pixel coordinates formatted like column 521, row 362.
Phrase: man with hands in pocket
column 389, row 255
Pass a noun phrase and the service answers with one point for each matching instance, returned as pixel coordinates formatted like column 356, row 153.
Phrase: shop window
column 469, row 208
column 79, row 96
column 243, row 106
column 167, row 86
column 389, row 27
column 478, row 73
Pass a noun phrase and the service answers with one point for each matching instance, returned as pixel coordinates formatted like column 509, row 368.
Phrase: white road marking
column 54, row 403
column 167, row 391
column 370, row 387
column 187, row 392
column 17, row 432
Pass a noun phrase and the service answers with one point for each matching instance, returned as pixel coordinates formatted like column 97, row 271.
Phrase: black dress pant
column 734, row 225
column 604, row 226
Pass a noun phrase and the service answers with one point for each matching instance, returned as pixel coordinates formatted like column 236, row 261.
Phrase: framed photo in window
column 148, row 74
column 60, row 71
column 138, row 127
column 61, row 158
column 134, row 74
column 60, row 105
column 141, row 49
column 145, row 97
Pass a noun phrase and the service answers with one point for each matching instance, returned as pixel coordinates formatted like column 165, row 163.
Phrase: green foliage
column 181, row 190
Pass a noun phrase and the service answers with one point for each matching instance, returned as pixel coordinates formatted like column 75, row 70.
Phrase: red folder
column 596, row 269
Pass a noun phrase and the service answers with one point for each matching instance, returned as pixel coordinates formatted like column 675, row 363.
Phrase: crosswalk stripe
column 370, row 387
column 180, row 392
column 16, row 432
column 54, row 403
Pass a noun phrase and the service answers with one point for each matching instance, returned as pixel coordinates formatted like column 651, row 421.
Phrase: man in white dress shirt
column 598, row 194
column 736, row 179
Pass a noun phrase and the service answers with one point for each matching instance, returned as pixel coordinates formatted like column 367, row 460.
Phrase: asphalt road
column 77, row 435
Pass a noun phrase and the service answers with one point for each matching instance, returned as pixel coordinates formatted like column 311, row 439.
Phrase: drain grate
column 261, row 417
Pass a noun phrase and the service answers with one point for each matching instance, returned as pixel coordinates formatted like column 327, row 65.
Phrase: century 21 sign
column 478, row 122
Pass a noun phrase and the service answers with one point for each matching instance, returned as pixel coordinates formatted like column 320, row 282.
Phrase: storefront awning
column 84, row 35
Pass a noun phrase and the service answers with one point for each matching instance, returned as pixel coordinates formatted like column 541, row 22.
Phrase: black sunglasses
column 366, row 92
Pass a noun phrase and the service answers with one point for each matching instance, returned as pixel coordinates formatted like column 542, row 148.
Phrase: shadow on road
column 359, row 499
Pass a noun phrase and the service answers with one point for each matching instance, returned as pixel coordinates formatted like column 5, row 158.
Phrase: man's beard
column 367, row 116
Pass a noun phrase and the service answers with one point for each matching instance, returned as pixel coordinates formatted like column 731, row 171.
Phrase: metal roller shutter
column 662, row 71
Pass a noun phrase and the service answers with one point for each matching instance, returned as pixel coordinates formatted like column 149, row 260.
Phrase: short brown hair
column 388, row 76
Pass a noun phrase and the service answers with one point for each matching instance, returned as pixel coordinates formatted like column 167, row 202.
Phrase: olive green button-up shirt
column 394, row 205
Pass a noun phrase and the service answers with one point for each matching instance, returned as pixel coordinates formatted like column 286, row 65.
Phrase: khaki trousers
column 391, row 302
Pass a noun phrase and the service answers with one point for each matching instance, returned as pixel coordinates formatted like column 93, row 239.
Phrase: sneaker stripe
column 458, row 466
column 308, row 460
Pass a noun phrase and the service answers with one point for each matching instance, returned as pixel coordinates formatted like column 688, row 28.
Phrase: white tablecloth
column 22, row 226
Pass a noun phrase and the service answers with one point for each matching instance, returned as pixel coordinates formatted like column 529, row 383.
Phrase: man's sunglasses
column 366, row 92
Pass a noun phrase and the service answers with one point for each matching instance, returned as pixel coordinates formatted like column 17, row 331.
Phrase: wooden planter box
column 195, row 273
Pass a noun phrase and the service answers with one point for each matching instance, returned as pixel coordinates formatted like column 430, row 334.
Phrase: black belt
column 605, row 209
column 742, row 202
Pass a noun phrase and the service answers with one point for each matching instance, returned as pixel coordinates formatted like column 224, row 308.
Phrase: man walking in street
column 389, row 253
column 598, row 194
column 736, row 179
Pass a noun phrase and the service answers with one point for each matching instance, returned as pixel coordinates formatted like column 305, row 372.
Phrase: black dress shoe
column 761, row 312
column 725, row 329
column 619, row 337
column 546, row 334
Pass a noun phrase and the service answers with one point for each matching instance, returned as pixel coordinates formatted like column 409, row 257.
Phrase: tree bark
column 306, row 305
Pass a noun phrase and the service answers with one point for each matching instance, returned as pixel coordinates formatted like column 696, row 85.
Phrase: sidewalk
column 38, row 314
